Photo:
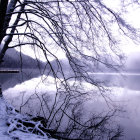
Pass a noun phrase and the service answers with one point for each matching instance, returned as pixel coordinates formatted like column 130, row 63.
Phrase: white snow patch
column 8, row 113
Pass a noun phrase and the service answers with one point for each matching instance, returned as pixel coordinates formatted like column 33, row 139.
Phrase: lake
column 17, row 89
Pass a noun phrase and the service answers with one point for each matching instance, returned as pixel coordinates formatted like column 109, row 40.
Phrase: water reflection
column 124, row 80
column 125, row 87
column 28, row 67
column 8, row 80
column 127, row 80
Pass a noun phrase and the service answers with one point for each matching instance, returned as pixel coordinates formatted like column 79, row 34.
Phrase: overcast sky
column 132, row 17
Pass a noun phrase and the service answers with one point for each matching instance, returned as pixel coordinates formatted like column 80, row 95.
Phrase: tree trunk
column 3, row 8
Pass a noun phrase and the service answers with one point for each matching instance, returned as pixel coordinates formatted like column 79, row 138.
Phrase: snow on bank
column 8, row 115
column 3, row 119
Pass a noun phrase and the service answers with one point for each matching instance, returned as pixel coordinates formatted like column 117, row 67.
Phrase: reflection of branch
column 73, row 119
column 22, row 102
column 26, row 102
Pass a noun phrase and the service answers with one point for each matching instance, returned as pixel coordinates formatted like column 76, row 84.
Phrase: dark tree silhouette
column 3, row 8
column 84, row 31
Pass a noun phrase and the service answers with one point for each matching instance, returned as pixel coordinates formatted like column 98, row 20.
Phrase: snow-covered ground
column 8, row 114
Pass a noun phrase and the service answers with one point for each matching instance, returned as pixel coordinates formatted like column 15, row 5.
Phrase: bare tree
column 84, row 31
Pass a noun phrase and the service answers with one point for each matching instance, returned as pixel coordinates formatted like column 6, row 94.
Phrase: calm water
column 128, row 80
column 126, row 88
